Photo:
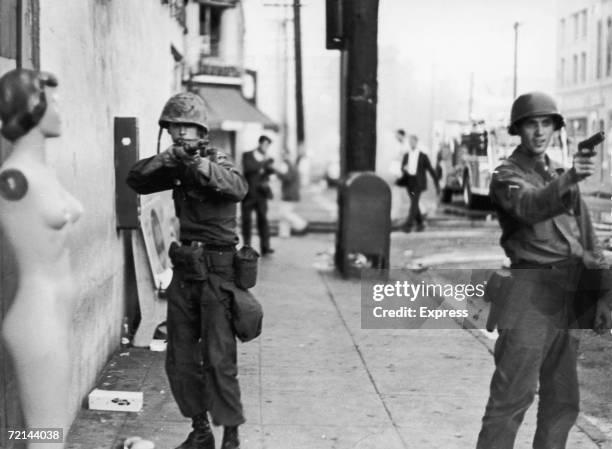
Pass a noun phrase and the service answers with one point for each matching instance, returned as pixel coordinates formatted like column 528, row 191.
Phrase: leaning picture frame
column 159, row 228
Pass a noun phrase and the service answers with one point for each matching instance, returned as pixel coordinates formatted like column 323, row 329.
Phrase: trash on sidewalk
column 158, row 345
column 417, row 267
column 358, row 260
column 118, row 401
column 284, row 229
column 324, row 260
column 137, row 443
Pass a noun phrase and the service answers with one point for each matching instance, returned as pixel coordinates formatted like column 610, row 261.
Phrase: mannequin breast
column 38, row 224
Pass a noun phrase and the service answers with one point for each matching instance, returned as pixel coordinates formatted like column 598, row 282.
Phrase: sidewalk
column 315, row 379
column 319, row 207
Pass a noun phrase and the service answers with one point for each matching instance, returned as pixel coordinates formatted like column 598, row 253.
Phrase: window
column 210, row 27
column 576, row 31
column 583, row 67
column 562, row 72
column 575, row 70
column 599, row 37
column 584, row 23
column 609, row 48
column 562, row 32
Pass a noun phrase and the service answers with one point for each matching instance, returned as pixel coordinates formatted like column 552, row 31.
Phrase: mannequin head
column 27, row 99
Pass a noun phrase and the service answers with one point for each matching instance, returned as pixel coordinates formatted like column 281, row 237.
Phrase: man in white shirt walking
column 415, row 164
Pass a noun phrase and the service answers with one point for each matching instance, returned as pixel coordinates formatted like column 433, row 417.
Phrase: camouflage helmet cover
column 533, row 104
column 187, row 108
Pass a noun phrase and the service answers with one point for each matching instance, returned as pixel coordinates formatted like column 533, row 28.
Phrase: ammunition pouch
column 189, row 261
column 193, row 263
column 496, row 293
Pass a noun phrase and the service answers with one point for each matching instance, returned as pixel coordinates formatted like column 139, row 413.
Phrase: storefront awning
column 229, row 110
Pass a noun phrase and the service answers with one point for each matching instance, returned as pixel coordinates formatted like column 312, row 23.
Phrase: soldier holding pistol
column 206, row 188
column 559, row 278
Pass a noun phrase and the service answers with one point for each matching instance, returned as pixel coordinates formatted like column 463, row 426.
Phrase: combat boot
column 201, row 437
column 230, row 438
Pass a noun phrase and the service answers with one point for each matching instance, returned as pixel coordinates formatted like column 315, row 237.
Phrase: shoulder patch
column 13, row 184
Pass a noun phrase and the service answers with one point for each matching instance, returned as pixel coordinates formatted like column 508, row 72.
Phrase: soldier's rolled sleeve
column 530, row 204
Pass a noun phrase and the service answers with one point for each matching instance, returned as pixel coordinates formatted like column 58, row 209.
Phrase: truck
column 469, row 153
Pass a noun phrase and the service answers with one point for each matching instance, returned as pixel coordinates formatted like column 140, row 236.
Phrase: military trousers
column 535, row 346
column 201, row 359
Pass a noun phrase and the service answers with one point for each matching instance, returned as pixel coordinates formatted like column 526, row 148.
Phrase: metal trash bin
column 364, row 224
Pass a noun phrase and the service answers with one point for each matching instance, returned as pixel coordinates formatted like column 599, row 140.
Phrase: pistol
column 587, row 147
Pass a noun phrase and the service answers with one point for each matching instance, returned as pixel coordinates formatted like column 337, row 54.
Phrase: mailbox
column 364, row 224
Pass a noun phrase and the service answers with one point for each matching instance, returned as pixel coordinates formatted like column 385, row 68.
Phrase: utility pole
column 364, row 199
column 299, row 99
column 360, row 61
column 516, row 26
column 285, row 64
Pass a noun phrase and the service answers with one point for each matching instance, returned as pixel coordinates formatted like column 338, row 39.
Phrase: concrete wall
column 113, row 59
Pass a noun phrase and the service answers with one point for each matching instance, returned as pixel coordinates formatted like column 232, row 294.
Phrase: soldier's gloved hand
column 183, row 157
column 603, row 317
column 583, row 166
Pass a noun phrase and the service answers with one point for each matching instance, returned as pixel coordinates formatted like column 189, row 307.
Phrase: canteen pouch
column 189, row 261
column 245, row 266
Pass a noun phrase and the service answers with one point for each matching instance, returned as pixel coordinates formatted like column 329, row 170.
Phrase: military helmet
column 533, row 104
column 187, row 108
column 22, row 100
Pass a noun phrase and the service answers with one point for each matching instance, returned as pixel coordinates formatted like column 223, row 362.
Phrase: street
column 366, row 152
column 316, row 379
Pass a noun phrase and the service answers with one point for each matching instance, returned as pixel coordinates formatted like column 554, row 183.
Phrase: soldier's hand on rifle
column 583, row 166
column 603, row 316
column 168, row 158
column 182, row 156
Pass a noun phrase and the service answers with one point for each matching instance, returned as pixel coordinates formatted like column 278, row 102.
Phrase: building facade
column 112, row 59
column 118, row 59
column 215, row 32
column 584, row 79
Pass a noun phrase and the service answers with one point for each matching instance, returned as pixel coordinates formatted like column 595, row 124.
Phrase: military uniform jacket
column 529, row 205
column 534, row 206
column 205, row 193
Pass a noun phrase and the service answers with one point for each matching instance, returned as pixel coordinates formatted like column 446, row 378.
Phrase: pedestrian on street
column 257, row 168
column 557, row 268
column 206, row 187
column 415, row 166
